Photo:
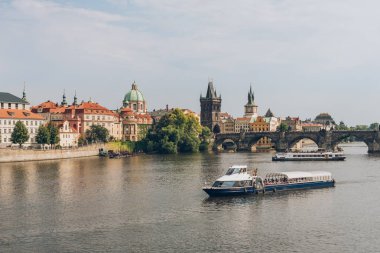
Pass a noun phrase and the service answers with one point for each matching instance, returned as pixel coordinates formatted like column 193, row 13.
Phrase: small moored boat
column 238, row 181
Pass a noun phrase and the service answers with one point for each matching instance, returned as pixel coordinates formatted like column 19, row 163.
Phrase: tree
column 81, row 140
column 54, row 134
column 341, row 126
column 43, row 135
column 374, row 126
column 20, row 134
column 175, row 132
column 97, row 133
column 205, row 137
column 282, row 127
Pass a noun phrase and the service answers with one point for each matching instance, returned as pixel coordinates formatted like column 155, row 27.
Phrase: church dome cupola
column 134, row 99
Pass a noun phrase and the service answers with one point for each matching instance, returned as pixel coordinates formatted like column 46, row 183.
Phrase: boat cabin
column 236, row 169
column 297, row 177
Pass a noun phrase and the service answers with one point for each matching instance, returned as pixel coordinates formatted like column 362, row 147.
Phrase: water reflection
column 155, row 203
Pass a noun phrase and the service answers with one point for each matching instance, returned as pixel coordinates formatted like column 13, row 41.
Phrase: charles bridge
column 285, row 140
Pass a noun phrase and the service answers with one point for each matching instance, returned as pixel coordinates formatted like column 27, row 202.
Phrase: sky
column 302, row 57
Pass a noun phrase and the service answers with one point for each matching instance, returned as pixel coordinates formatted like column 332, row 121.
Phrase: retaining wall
column 19, row 155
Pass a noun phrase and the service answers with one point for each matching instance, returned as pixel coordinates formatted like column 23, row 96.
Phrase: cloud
column 171, row 47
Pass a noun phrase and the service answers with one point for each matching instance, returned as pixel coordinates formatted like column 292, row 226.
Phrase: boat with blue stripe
column 239, row 181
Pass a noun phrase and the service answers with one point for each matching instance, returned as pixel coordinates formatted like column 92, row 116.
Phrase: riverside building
column 12, row 110
column 74, row 120
column 134, row 117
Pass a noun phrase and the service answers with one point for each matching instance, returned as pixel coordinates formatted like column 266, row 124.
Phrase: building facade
column 68, row 136
column 227, row 123
column 242, row 124
column 79, row 118
column 134, row 117
column 12, row 110
column 293, row 123
column 210, row 107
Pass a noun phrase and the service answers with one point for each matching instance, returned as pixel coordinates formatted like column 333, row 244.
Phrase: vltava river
column 155, row 204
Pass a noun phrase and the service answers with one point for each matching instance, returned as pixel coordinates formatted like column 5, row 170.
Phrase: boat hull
column 239, row 191
column 299, row 186
column 235, row 191
column 283, row 159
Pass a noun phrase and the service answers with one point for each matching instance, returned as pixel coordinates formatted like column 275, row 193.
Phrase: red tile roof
column 46, row 105
column 19, row 114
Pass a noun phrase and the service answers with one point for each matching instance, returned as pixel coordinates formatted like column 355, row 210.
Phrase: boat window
column 231, row 171
column 232, row 183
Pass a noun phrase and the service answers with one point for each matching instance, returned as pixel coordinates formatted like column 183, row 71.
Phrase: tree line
column 176, row 132
column 46, row 135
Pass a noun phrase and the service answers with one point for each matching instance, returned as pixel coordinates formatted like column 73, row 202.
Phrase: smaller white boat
column 319, row 155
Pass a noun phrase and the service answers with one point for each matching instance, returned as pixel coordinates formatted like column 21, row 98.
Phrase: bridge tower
column 250, row 109
column 210, row 107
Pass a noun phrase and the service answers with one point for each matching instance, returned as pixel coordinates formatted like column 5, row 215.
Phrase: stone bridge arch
column 293, row 141
column 253, row 140
column 368, row 137
column 221, row 139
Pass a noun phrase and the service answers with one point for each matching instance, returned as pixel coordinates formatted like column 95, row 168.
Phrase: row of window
column 66, row 136
column 26, row 122
column 2, row 105
column 311, row 155
column 98, row 117
column 100, row 124
column 10, row 130
column 9, row 140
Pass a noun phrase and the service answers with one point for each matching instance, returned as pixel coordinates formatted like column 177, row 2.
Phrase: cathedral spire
column 251, row 97
column 75, row 99
column 250, row 107
column 24, row 94
column 64, row 102
column 211, row 92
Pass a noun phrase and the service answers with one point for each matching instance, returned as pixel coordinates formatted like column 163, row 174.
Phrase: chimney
column 167, row 108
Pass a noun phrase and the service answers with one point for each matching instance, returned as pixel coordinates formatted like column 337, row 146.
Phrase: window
column 16, row 106
column 2, row 105
column 23, row 107
column 9, row 105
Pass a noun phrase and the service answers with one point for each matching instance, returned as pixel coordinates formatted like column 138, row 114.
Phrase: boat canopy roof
column 238, row 167
column 299, row 174
column 235, row 177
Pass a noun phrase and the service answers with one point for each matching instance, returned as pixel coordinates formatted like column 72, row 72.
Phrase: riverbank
column 20, row 155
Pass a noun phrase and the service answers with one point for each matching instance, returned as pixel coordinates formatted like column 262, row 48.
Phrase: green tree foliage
column 283, row 127
column 54, row 134
column 205, row 137
column 374, row 126
column 81, row 140
column 43, row 135
column 97, row 133
column 175, row 132
column 341, row 126
column 20, row 134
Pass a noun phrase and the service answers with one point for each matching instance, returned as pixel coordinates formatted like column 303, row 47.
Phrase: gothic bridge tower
column 250, row 107
column 210, row 107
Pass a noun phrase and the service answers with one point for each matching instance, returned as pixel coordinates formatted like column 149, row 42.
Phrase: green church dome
column 133, row 95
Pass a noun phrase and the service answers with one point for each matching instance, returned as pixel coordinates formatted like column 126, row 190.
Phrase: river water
column 155, row 204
